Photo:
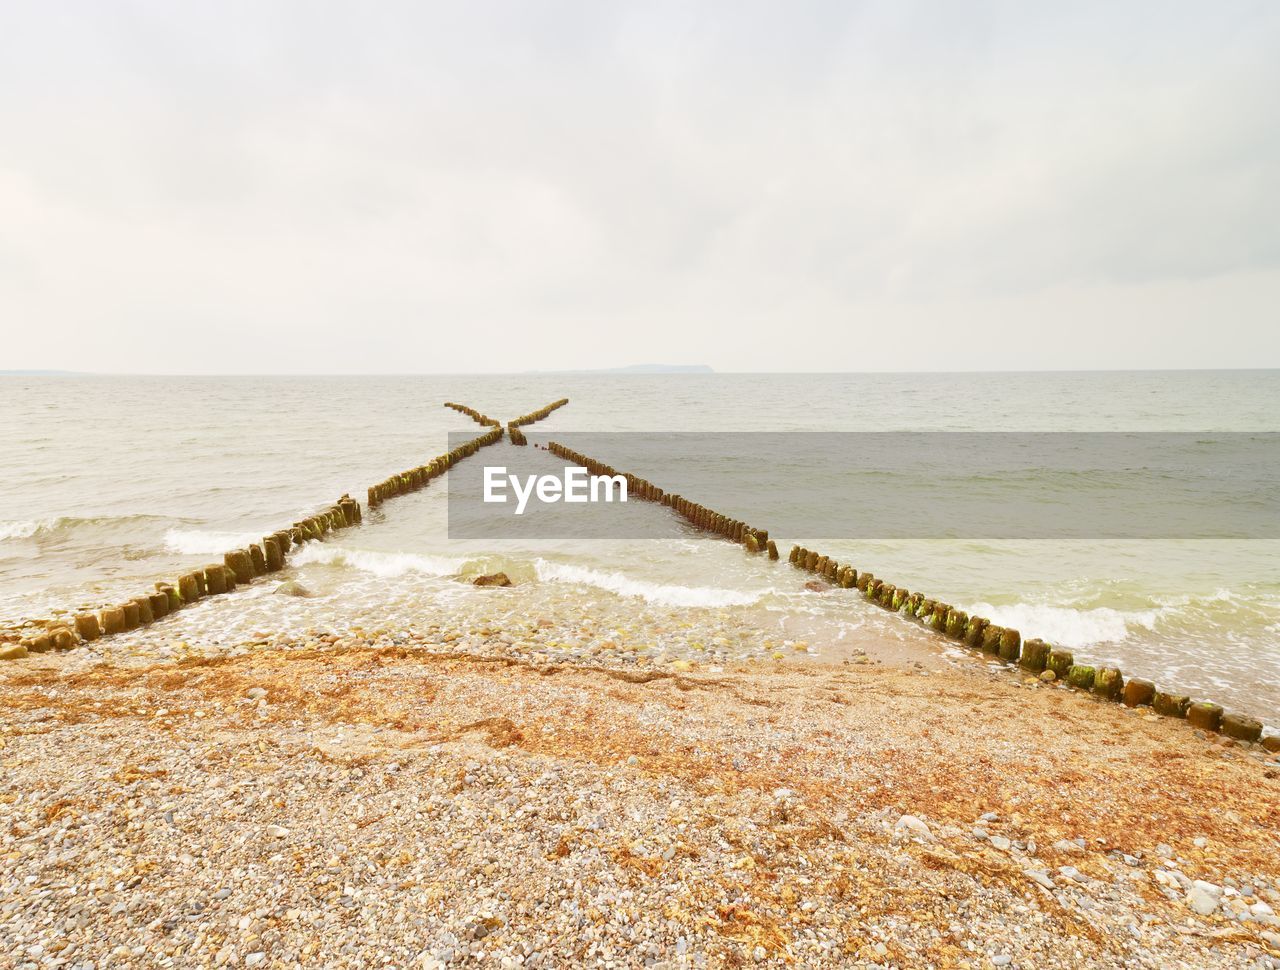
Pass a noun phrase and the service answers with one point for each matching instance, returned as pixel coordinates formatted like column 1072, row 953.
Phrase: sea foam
column 1066, row 627
column 666, row 595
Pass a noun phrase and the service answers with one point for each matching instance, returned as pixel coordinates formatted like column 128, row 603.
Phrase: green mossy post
column 913, row 604
column 991, row 635
column 862, row 581
column 1035, row 655
column 187, row 588
column 900, row 597
column 1205, row 715
column 159, row 605
column 113, row 620
column 87, row 626
column 238, row 562
column 884, row 595
column 259, row 560
column 230, row 578
column 1139, row 693
column 1081, row 676
column 274, row 557
column 215, row 579
column 938, row 620
column 1241, row 727
column 1109, row 683
column 873, row 589
column 169, row 590
column 1011, row 646
column 974, row 630
column 925, row 610
column 750, row 543
column 957, row 622
column 1170, row 705
column 1060, row 661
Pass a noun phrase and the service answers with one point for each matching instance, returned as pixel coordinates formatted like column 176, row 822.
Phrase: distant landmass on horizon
column 638, row 369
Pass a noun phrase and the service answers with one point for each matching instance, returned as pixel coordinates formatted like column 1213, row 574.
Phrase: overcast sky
column 468, row 186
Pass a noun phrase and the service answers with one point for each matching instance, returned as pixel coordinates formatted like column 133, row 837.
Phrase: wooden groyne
column 474, row 415
column 239, row 567
column 700, row 516
column 1035, row 656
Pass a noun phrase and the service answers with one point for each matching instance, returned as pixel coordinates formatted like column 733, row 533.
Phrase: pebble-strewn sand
column 363, row 803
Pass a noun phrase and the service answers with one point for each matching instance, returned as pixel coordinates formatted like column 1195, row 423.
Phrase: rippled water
column 111, row 483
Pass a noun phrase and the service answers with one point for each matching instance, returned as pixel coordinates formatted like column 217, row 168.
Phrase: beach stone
column 292, row 588
column 813, row 586
column 87, row 626
column 259, row 560
column 1242, row 727
column 1170, row 705
column 1048, row 676
column 1060, row 661
column 238, row 562
column 1108, row 683
column 215, row 579
column 113, row 620
column 1201, row 900
column 1205, row 715
column 12, row 651
column 1010, row 645
column 1138, row 692
column 908, row 826
column 492, row 579
column 1271, row 742
column 1035, row 655
column 1080, row 676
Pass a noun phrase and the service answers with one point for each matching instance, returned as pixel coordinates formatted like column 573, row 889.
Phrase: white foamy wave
column 384, row 564
column 1065, row 627
column 193, row 542
column 25, row 529
column 649, row 592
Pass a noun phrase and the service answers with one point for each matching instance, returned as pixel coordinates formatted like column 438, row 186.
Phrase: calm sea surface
column 110, row 483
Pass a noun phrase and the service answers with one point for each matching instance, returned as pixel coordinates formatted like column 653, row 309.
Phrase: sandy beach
column 421, row 799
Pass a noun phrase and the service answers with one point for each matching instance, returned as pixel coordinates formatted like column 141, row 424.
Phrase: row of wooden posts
column 474, row 415
column 238, row 567
column 241, row 566
column 419, row 477
column 1034, row 656
column 753, row 539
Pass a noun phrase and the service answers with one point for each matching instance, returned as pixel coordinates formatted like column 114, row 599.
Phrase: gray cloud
column 389, row 187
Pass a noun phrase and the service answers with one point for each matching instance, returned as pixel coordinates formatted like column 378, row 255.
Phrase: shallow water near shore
column 111, row 483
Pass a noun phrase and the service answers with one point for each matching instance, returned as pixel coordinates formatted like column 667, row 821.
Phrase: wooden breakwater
column 700, row 516
column 474, row 415
column 239, row 567
column 1050, row 663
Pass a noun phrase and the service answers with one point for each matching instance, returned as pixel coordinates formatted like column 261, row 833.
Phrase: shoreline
column 433, row 804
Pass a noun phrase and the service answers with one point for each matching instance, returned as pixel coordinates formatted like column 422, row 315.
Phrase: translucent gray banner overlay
column 995, row 485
